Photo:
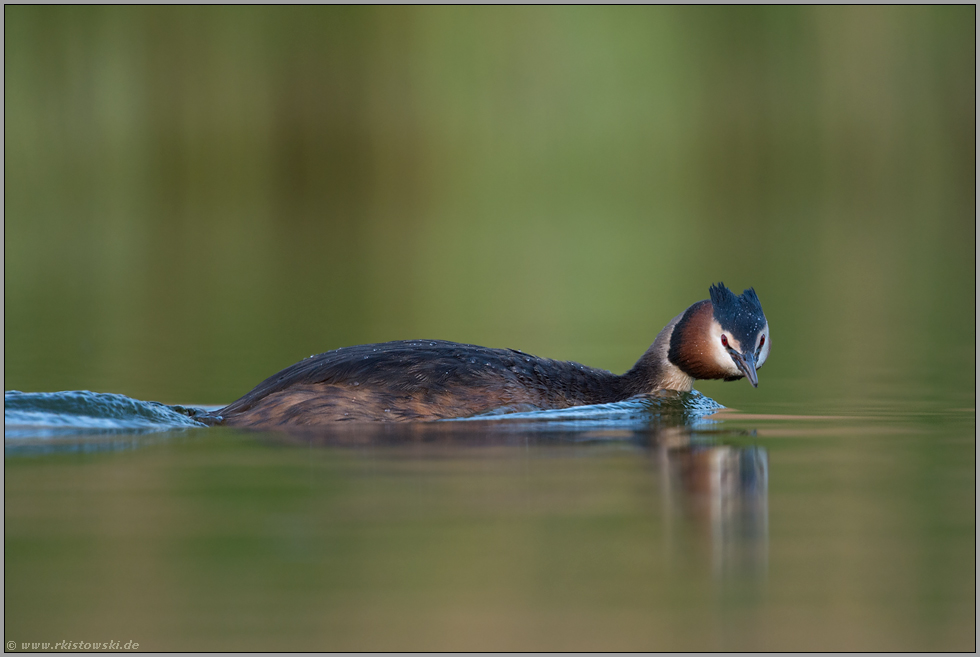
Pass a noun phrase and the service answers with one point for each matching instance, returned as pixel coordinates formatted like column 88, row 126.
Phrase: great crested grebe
column 726, row 337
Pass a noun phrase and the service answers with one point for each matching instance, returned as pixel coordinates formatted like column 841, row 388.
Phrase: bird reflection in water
column 715, row 493
column 721, row 491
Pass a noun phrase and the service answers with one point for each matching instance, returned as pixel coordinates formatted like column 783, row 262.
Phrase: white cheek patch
column 764, row 354
column 719, row 354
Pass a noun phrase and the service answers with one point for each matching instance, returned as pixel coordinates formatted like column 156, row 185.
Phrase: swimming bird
column 724, row 337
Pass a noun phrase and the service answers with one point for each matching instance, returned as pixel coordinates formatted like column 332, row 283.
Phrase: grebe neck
column 654, row 371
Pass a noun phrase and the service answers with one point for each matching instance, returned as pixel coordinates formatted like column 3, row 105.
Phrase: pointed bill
column 746, row 363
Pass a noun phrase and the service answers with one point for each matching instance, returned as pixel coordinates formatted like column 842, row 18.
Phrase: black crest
column 741, row 315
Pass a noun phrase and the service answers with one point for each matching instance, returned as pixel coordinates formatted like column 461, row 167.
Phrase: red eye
column 724, row 339
column 762, row 340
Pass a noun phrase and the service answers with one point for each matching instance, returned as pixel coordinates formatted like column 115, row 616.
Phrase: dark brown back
column 418, row 379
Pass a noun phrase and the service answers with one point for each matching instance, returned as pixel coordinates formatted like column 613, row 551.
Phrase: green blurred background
column 198, row 197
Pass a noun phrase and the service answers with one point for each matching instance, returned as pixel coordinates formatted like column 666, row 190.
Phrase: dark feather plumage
column 741, row 315
column 418, row 380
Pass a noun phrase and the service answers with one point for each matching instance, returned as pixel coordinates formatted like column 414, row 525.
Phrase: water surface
column 621, row 527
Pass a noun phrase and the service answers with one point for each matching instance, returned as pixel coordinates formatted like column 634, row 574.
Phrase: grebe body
column 725, row 337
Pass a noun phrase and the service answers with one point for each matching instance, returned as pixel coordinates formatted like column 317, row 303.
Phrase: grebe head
column 724, row 338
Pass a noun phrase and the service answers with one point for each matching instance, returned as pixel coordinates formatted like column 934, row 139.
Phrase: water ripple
column 660, row 408
column 52, row 414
